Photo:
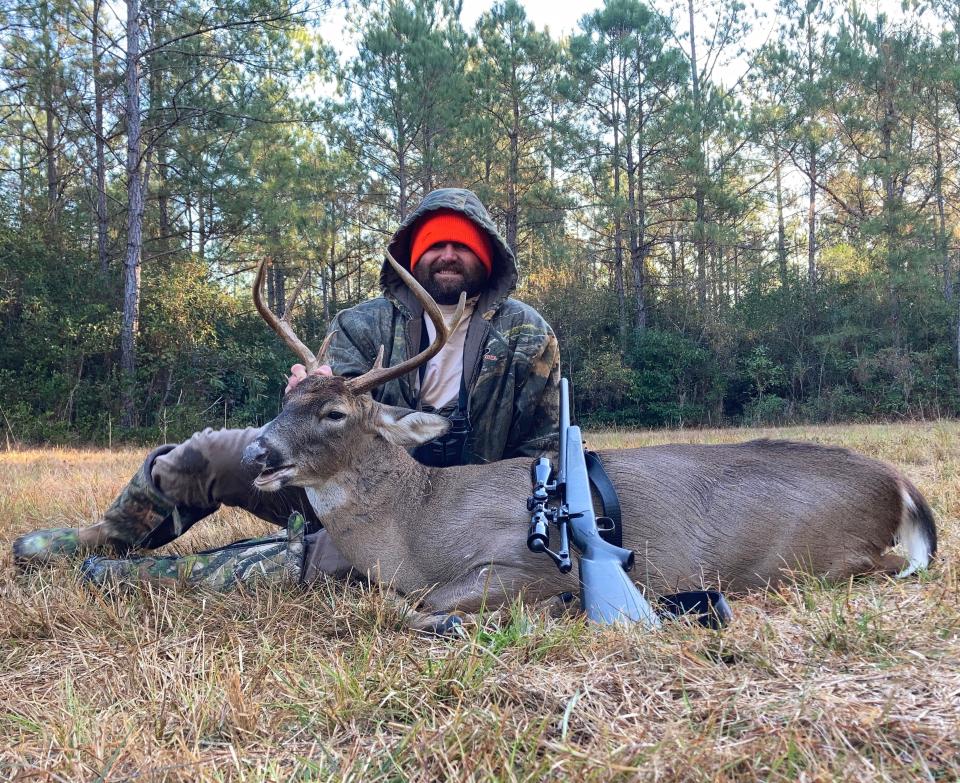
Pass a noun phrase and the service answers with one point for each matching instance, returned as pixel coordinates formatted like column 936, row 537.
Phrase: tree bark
column 941, row 241
column 618, row 277
column 890, row 206
column 781, row 228
column 812, row 173
column 512, row 218
column 812, row 216
column 636, row 210
column 402, row 183
column 279, row 289
column 332, row 264
column 159, row 32
column 643, row 246
column 699, row 194
column 201, row 224
column 50, row 130
column 135, row 203
column 22, row 171
column 428, row 153
column 100, row 163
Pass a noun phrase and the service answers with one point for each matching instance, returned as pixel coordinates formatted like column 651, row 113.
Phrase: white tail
column 916, row 532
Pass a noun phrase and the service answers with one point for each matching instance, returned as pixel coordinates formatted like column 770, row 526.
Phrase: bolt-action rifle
column 607, row 594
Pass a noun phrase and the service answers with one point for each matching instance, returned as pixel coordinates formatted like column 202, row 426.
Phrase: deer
column 740, row 517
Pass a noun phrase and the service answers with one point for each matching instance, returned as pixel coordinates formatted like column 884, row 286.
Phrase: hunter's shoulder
column 371, row 310
column 514, row 314
column 363, row 326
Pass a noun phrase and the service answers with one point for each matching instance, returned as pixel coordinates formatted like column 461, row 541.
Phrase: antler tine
column 323, row 348
column 288, row 307
column 377, row 375
column 280, row 325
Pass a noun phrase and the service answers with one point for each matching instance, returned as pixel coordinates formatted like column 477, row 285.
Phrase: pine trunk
column 100, row 163
column 812, row 216
column 50, row 129
column 135, row 187
column 781, row 229
column 635, row 215
column 699, row 194
column 890, row 206
column 618, row 277
column 812, row 169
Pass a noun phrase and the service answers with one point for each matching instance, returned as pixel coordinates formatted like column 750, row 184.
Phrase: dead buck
column 741, row 516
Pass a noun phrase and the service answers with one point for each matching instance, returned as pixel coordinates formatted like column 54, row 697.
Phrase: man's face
column 447, row 269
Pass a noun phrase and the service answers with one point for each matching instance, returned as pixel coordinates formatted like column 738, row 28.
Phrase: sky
column 561, row 17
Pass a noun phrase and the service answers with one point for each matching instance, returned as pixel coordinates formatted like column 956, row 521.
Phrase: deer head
column 329, row 423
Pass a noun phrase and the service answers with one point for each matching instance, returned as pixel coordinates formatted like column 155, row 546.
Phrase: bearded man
column 496, row 379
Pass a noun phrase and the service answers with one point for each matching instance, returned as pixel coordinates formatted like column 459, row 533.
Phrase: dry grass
column 815, row 682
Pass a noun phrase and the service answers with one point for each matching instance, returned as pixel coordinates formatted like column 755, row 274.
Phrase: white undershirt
column 441, row 379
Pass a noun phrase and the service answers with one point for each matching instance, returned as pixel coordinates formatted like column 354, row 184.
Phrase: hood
column 503, row 277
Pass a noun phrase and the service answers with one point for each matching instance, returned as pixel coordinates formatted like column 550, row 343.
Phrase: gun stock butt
column 609, row 595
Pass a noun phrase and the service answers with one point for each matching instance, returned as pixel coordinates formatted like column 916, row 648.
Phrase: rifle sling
column 600, row 481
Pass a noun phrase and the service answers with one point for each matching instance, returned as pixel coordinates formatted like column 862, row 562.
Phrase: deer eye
column 336, row 415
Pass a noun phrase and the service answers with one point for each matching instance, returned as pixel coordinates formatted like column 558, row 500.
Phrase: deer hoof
column 442, row 625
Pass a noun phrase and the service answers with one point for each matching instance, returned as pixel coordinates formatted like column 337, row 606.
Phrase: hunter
column 496, row 379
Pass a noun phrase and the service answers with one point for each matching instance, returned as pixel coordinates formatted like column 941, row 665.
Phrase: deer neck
column 380, row 487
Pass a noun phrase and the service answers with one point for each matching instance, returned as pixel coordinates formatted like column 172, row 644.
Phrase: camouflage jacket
column 510, row 358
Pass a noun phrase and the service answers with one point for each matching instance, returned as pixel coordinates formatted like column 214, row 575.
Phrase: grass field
column 813, row 682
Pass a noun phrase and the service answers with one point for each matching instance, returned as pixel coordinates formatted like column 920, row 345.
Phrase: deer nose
column 255, row 453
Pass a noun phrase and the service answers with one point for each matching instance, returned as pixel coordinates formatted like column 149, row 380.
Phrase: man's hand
column 298, row 372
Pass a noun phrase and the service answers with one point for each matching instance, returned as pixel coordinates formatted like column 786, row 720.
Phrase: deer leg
column 444, row 622
column 490, row 587
column 324, row 559
column 439, row 624
column 892, row 563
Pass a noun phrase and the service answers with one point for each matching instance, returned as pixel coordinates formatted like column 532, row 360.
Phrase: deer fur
column 738, row 516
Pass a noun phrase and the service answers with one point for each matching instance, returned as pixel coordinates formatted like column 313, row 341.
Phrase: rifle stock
column 607, row 594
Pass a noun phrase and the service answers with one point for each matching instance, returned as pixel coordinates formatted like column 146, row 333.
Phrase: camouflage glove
column 274, row 559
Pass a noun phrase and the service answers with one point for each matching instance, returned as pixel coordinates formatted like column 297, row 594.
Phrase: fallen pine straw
column 857, row 681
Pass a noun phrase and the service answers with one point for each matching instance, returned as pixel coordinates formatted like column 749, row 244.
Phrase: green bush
column 677, row 381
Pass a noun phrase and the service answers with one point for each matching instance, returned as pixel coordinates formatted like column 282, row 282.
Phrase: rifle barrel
column 564, row 427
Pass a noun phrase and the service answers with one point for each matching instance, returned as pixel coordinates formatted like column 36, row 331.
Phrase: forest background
column 775, row 243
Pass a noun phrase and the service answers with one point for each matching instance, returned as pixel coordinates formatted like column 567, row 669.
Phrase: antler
column 282, row 326
column 378, row 375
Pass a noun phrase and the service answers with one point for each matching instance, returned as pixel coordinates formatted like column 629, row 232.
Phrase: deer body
column 443, row 529
column 740, row 516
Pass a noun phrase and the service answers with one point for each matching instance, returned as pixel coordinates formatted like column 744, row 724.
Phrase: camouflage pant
column 206, row 471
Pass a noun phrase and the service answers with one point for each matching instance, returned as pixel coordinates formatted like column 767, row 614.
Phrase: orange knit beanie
column 448, row 225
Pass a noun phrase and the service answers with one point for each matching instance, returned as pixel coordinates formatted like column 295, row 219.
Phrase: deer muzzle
column 275, row 470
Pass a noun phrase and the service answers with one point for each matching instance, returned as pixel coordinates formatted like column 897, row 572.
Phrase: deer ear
column 409, row 428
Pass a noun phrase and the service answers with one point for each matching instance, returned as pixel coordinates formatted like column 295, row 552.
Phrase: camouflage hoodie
column 510, row 358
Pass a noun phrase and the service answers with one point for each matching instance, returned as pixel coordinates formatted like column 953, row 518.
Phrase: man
column 496, row 379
